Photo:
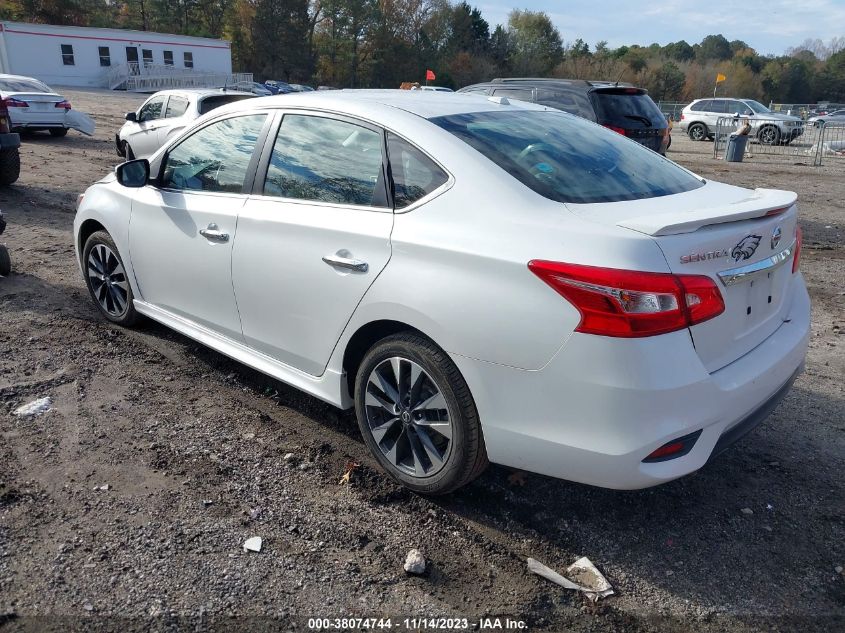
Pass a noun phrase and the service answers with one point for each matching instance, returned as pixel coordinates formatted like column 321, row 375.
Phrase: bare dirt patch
column 126, row 506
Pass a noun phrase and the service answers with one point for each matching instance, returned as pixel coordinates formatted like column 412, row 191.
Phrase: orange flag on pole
column 429, row 75
column 720, row 78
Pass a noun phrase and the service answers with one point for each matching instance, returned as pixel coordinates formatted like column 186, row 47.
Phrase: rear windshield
column 627, row 109
column 569, row 159
column 22, row 85
column 209, row 103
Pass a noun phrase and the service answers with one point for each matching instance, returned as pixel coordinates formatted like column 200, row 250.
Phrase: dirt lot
column 191, row 446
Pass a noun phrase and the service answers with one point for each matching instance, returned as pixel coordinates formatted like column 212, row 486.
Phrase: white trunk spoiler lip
column 760, row 203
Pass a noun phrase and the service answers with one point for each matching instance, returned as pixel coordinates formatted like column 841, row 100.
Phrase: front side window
column 326, row 160
column 105, row 55
column 758, row 107
column 168, row 58
column 151, row 110
column 414, row 174
column 568, row 159
column 67, row 55
column 215, row 158
column 176, row 106
column 189, row 60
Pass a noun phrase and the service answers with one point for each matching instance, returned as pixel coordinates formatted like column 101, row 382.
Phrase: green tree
column 667, row 82
column 280, row 40
column 536, row 44
column 714, row 47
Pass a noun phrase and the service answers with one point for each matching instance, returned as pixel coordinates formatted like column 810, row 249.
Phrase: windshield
column 759, row 108
column 22, row 85
column 568, row 159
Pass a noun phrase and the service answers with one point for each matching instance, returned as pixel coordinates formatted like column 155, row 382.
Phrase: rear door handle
column 341, row 259
column 214, row 234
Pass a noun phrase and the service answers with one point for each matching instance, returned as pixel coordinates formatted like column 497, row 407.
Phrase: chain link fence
column 672, row 108
column 775, row 139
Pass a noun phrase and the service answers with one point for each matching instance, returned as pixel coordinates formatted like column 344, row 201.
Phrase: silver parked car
column 699, row 120
column 33, row 106
column 837, row 118
column 164, row 115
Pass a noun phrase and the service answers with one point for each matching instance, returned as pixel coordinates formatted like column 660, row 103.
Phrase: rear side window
column 701, row 106
column 627, row 109
column 415, row 175
column 568, row 159
column 176, row 106
column 215, row 158
column 573, row 102
column 209, row 103
column 326, row 160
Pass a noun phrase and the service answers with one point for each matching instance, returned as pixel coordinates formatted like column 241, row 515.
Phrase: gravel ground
column 126, row 505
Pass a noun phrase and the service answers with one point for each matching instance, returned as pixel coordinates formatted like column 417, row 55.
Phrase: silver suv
column 699, row 120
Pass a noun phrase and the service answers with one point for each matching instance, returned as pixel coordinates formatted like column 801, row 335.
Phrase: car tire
column 432, row 450
column 697, row 132
column 768, row 135
column 107, row 281
column 10, row 166
column 5, row 262
column 127, row 150
column 58, row 131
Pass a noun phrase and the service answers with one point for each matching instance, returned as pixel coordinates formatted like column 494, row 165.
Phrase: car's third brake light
column 628, row 303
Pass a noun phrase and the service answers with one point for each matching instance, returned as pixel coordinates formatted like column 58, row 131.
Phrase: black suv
column 620, row 107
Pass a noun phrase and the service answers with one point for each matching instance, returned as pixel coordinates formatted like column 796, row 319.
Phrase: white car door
column 314, row 239
column 175, row 119
column 143, row 136
column 182, row 229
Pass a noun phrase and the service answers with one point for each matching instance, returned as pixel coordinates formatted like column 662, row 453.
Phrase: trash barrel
column 736, row 148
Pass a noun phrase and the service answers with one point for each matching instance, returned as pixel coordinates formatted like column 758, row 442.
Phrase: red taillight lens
column 682, row 116
column 10, row 102
column 618, row 130
column 63, row 104
column 796, row 259
column 628, row 303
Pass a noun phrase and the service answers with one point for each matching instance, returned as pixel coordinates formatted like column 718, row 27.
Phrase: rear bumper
column 602, row 405
column 9, row 141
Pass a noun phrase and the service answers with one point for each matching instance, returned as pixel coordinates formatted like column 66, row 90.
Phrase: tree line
column 381, row 43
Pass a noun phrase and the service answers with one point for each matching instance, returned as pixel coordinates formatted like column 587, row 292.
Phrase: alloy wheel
column 408, row 417
column 108, row 280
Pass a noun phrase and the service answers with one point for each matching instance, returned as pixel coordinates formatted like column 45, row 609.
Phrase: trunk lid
column 743, row 240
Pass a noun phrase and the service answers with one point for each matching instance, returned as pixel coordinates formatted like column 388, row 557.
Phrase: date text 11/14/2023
column 417, row 624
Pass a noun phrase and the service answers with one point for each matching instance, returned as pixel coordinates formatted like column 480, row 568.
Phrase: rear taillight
column 618, row 130
column 10, row 102
column 682, row 116
column 796, row 259
column 628, row 303
column 63, row 104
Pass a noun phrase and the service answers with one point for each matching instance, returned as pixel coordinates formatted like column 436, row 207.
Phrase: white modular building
column 110, row 58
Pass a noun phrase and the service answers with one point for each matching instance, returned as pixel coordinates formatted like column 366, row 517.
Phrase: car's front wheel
column 417, row 415
column 107, row 281
column 769, row 135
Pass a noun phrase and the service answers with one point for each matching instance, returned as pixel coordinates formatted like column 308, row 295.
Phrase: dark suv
column 621, row 107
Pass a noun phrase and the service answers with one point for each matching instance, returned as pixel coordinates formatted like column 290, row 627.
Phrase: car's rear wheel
column 10, row 166
column 5, row 262
column 417, row 415
column 107, row 281
column 697, row 131
column 769, row 135
column 58, row 131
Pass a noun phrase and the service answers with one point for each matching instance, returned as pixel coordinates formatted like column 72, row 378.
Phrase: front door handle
column 213, row 234
column 342, row 259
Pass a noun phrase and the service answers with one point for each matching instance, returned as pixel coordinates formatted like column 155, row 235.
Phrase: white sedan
column 481, row 280
column 164, row 115
column 33, row 106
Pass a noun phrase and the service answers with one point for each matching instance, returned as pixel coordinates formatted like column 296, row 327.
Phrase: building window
column 147, row 54
column 105, row 56
column 168, row 58
column 189, row 60
column 67, row 55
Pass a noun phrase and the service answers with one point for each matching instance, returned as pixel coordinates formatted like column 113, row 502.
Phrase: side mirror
column 131, row 116
column 135, row 173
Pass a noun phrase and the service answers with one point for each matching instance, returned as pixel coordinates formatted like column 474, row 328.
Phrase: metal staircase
column 136, row 77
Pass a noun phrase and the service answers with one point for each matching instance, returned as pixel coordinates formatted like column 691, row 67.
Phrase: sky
column 768, row 26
